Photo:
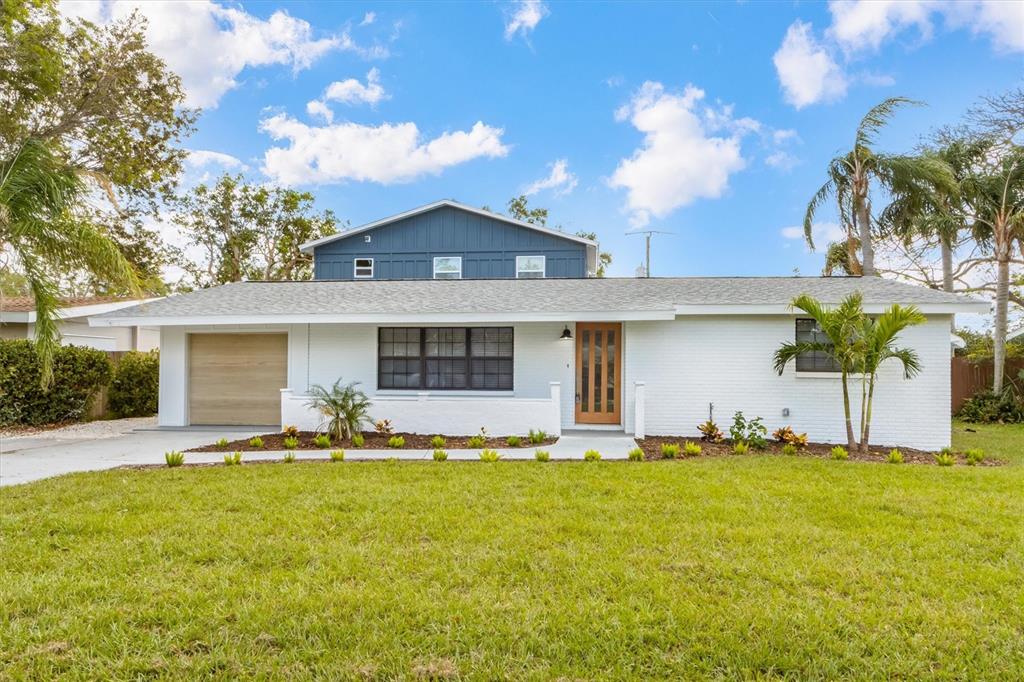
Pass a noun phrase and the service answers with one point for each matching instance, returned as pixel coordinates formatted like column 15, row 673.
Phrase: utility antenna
column 647, row 234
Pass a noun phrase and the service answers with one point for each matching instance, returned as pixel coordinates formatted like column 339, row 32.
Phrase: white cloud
column 823, row 233
column 681, row 160
column 859, row 26
column 1002, row 21
column 368, row 19
column 524, row 18
column 386, row 154
column 200, row 158
column 351, row 91
column 317, row 109
column 560, row 179
column 782, row 160
column 807, row 72
column 209, row 45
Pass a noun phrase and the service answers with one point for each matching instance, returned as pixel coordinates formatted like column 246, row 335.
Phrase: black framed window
column 807, row 331
column 445, row 358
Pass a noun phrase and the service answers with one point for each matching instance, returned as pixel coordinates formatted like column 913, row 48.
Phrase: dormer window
column 529, row 267
column 363, row 268
column 448, row 267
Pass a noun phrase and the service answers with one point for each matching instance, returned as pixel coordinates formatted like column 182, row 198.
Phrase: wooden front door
column 598, row 372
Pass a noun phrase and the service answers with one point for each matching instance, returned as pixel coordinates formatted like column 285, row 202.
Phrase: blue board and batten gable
column 405, row 247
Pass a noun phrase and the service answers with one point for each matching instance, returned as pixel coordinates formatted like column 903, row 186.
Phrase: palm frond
column 877, row 117
column 812, row 207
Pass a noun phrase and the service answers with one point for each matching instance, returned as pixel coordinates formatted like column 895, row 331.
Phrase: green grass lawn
column 748, row 567
column 1003, row 441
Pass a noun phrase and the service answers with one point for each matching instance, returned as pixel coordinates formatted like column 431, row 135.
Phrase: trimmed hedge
column 135, row 387
column 78, row 373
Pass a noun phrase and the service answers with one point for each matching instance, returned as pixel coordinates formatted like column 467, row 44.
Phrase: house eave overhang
column 75, row 311
column 951, row 308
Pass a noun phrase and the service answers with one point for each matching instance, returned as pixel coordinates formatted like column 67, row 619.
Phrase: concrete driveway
column 100, row 445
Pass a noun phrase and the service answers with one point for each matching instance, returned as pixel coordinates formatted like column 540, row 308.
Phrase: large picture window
column 815, row 361
column 445, row 358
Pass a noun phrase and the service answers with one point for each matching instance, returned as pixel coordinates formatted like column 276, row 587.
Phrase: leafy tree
column 519, row 208
column 250, row 231
column 851, row 175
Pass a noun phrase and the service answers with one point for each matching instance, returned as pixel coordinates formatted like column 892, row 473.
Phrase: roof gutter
column 952, row 308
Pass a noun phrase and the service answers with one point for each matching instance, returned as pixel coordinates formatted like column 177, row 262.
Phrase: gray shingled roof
column 526, row 296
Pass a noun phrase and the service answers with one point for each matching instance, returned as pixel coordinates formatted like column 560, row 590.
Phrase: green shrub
column 670, row 450
column 440, row 455
column 337, row 455
column 691, row 449
column 945, row 459
column 513, row 441
column 291, row 431
column 233, row 459
column 709, row 432
column 740, row 448
column 135, row 386
column 222, row 443
column 636, row 455
column 789, row 449
column 437, row 442
column 988, row 407
column 256, row 442
column 78, row 374
column 475, row 442
column 839, row 453
column 591, row 456
column 344, row 408
column 174, row 458
column 537, row 437
column 749, row 431
column 975, row 456
column 289, row 457
column 358, row 440
column 895, row 457
column 542, row 455
column 396, row 442
column 322, row 441
column 290, row 443
column 489, row 455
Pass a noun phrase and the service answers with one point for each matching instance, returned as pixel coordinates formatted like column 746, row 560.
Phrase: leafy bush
column 542, row 455
column 337, row 455
column 135, row 388
column 358, row 440
column 691, row 449
column 839, row 453
column 785, row 434
column 440, row 455
column 740, row 448
column 636, row 455
column 752, row 431
column 895, row 457
column 709, row 432
column 289, row 457
column 322, row 441
column 437, row 442
column 345, row 408
column 383, row 427
column 256, row 442
column 290, row 443
column 174, row 458
column 988, row 407
column 78, row 374
column 789, row 449
column 233, row 459
column 290, row 431
column 513, row 441
column 591, row 456
column 537, row 437
column 396, row 442
column 489, row 455
column 222, row 443
column 475, row 442
column 945, row 459
column 975, row 456
column 670, row 450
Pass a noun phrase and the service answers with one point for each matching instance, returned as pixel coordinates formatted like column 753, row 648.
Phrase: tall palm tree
column 851, row 175
column 839, row 325
column 876, row 339
column 38, row 224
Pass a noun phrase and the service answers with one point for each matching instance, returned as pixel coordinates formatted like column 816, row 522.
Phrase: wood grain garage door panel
column 236, row 378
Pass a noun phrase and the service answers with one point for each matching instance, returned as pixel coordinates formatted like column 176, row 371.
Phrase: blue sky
column 713, row 121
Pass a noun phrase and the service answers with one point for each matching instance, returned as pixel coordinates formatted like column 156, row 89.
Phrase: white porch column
column 286, row 400
column 639, row 409
column 556, row 405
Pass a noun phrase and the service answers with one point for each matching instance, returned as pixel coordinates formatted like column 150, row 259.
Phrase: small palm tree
column 851, row 175
column 876, row 339
column 840, row 326
column 344, row 407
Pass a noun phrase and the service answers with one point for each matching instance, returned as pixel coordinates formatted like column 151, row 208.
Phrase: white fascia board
column 784, row 309
column 76, row 311
column 17, row 317
column 384, row 318
column 309, row 246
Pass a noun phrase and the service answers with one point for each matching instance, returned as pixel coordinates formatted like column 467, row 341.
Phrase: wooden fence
column 970, row 377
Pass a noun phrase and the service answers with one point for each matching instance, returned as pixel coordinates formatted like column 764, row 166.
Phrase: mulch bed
column 373, row 441
column 652, row 450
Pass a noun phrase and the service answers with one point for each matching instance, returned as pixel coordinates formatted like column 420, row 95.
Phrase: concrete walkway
column 30, row 458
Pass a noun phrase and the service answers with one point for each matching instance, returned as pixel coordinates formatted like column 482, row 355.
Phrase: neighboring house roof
column 23, row 308
column 309, row 246
column 522, row 299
